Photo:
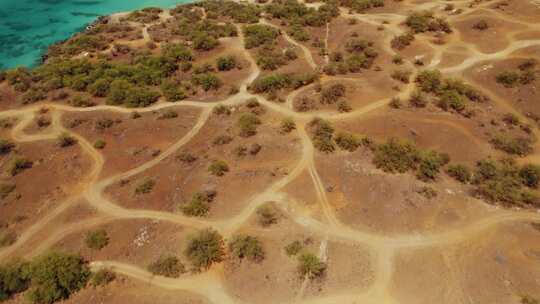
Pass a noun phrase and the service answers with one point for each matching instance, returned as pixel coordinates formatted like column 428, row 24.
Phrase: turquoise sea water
column 28, row 27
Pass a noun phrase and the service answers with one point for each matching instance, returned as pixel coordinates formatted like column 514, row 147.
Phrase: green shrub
column 226, row 63
column 205, row 248
column 347, row 141
column 331, row 94
column 100, row 144
column 530, row 175
column 218, row 168
column 430, row 81
column 222, row 140
column 267, row 215
column 172, row 91
column 14, row 278
column 310, row 265
column 396, row 156
column 508, row 79
column 100, row 87
column 19, row 165
column 55, row 276
column 520, row 146
column 102, row 277
column 145, row 186
column 199, row 205
column 167, row 266
column 96, row 239
column 81, row 101
column 425, row 21
column 258, row 34
column 178, row 52
column 400, row 42
column 221, row 110
column 66, row 140
column 430, row 165
column 293, row 248
column 207, row 81
column 248, row 123
column 204, row 42
column 401, row 75
column 460, row 172
column 322, row 135
column 427, row 192
column 287, row 125
column 245, row 246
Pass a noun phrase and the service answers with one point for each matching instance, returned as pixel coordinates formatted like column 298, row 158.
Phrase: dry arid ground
column 374, row 151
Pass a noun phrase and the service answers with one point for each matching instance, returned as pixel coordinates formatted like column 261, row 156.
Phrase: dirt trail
column 210, row 283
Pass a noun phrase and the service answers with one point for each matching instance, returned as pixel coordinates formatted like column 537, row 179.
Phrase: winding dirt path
column 210, row 283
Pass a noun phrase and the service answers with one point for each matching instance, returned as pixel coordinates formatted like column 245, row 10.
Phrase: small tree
column 245, row 246
column 97, row 239
column 530, row 174
column 205, row 248
column 55, row 276
column 218, row 168
column 14, row 279
column 347, row 141
column 167, row 266
column 310, row 265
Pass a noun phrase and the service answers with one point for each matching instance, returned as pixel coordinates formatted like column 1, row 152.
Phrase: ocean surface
column 28, row 27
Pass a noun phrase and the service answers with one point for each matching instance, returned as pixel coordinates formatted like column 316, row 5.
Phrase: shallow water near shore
column 28, row 27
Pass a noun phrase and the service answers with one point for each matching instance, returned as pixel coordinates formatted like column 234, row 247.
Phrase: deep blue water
column 28, row 27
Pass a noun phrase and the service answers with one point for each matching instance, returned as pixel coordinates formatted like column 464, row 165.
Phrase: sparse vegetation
column 460, row 172
column 322, row 135
column 247, row 123
column 347, row 141
column 520, row 146
column 293, row 248
column 145, row 186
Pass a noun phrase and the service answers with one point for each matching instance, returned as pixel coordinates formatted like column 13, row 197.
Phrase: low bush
column 205, row 248
column 218, row 168
column 168, row 114
column 347, row 141
column 207, row 81
column 102, row 277
column 221, row 110
column 199, row 205
column 460, row 172
column 100, row 144
column 172, row 91
column 226, row 63
column 145, row 186
column 322, row 135
column 519, row 146
column 267, row 215
column 401, row 75
column 287, row 125
column 400, row 42
column 245, row 246
column 508, row 79
column 332, row 93
column 14, row 278
column 247, row 124
column 66, row 140
column 481, row 25
column 530, row 175
column 258, row 34
column 293, row 248
column 418, row 99
column 96, row 239
column 420, row 22
column 167, row 266
column 343, row 106
column 310, row 265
